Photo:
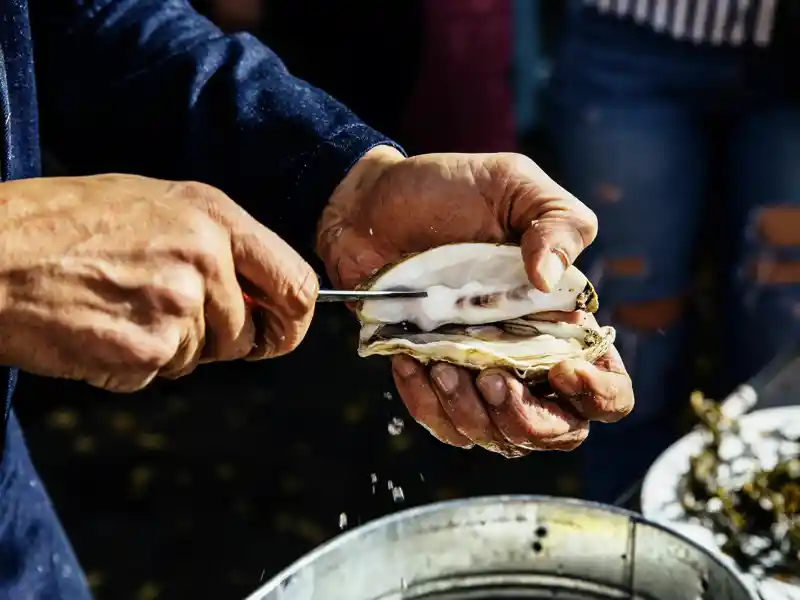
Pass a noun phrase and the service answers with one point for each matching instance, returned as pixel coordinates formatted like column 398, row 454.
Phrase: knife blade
column 356, row 295
column 253, row 294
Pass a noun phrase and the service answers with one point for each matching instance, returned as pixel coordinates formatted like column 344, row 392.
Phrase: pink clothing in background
column 462, row 101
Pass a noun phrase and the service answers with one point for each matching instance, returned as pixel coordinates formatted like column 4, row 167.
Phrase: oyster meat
column 480, row 312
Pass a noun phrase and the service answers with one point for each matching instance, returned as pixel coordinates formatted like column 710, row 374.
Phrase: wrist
column 360, row 179
column 363, row 175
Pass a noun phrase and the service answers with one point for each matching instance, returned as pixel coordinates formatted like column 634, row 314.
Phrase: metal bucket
column 508, row 547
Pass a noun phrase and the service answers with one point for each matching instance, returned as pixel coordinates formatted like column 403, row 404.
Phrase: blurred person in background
column 659, row 107
column 441, row 81
column 115, row 280
column 462, row 97
column 320, row 41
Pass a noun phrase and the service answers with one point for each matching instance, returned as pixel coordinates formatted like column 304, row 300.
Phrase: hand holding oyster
column 480, row 313
column 468, row 392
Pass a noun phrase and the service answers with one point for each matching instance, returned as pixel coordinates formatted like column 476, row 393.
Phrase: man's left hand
column 389, row 206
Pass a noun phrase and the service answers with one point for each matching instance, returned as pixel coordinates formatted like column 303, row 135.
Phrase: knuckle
column 240, row 347
column 581, row 435
column 118, row 178
column 625, row 409
column 282, row 348
column 581, row 219
column 514, row 161
column 192, row 190
column 576, row 439
column 125, row 385
column 150, row 352
column 516, row 452
column 206, row 244
column 569, row 441
column 589, row 223
column 208, row 199
column 178, row 290
column 205, row 233
column 614, row 405
column 181, row 371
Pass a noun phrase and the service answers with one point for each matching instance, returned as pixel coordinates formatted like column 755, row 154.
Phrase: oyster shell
column 480, row 312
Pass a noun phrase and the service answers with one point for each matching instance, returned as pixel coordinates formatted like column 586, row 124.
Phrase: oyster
column 480, row 312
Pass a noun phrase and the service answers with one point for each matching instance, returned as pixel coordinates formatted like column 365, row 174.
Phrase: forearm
column 151, row 87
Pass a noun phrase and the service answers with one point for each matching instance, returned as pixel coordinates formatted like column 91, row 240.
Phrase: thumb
column 555, row 227
column 282, row 285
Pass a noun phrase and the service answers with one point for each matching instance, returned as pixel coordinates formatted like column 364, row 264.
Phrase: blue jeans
column 649, row 131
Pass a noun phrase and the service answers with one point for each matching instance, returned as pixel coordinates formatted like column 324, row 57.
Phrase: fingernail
column 493, row 389
column 404, row 367
column 567, row 380
column 446, row 378
column 552, row 268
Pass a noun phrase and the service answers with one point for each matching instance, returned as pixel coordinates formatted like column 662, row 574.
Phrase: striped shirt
column 717, row 22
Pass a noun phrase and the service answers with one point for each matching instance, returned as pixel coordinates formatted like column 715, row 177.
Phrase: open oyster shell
column 480, row 312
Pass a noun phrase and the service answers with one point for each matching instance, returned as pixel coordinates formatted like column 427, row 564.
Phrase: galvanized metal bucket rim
column 342, row 539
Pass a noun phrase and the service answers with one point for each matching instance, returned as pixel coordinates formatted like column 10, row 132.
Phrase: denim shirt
column 149, row 87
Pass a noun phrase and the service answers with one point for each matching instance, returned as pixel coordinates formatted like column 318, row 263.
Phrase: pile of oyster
column 480, row 312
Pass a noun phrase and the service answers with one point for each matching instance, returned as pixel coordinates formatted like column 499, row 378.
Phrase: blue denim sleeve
column 151, row 87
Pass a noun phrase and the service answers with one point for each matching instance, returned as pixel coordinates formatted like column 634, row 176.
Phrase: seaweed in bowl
column 752, row 509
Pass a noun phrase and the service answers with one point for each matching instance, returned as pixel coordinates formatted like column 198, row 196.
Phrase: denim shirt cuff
column 327, row 166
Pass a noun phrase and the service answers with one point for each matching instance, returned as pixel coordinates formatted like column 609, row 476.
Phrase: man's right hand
column 117, row 279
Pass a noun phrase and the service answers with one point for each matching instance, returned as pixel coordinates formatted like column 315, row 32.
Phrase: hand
column 116, row 279
column 389, row 206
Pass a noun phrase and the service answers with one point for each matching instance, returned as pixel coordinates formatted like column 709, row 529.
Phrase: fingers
column 602, row 391
column 461, row 403
column 121, row 384
column 414, row 387
column 555, row 226
column 599, row 392
column 287, row 285
column 453, row 415
column 189, row 348
column 548, row 249
column 527, row 421
column 507, row 420
column 230, row 332
column 499, row 413
column 184, row 330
